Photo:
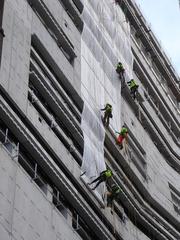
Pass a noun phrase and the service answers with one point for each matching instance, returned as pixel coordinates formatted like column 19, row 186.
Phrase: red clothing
column 121, row 138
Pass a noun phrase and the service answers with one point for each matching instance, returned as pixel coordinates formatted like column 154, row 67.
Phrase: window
column 45, row 112
column 82, row 228
column 78, row 5
column 60, row 203
column 175, row 195
column 137, row 154
column 55, row 30
column 8, row 140
column 44, row 89
column 41, row 62
column 38, row 97
column 71, row 8
column 138, row 159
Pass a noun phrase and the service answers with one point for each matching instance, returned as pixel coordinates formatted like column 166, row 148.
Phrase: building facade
column 57, row 70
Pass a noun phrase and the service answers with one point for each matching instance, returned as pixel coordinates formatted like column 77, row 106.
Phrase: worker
column 103, row 177
column 107, row 114
column 120, row 70
column 133, row 88
column 113, row 195
column 123, row 134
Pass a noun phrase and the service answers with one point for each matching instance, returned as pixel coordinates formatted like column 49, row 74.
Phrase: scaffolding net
column 105, row 41
column 93, row 157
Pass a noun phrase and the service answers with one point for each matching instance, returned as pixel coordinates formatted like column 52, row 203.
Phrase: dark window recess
column 54, row 29
column 46, row 114
column 82, row 228
column 66, row 54
column 27, row 163
column 8, row 139
column 175, row 195
column 71, row 8
column 47, row 60
column 1, row 29
column 2, row 134
column 55, row 82
column 61, row 203
column 78, row 5
column 138, row 161
column 42, row 113
column 137, row 154
column 159, row 108
column 37, row 99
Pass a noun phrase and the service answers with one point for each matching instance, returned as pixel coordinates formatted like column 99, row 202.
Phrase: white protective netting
column 93, row 156
column 105, row 41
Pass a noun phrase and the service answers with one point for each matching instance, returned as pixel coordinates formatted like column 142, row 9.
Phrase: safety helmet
column 125, row 127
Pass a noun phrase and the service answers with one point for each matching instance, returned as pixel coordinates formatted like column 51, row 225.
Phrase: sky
column 164, row 18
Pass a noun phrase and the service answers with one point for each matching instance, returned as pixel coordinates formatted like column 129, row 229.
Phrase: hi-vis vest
column 132, row 84
column 120, row 67
column 108, row 108
column 108, row 173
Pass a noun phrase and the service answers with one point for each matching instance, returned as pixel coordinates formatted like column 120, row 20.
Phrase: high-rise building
column 57, row 70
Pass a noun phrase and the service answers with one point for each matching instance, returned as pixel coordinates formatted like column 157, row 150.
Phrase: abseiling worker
column 103, row 177
column 113, row 194
column 120, row 70
column 133, row 88
column 107, row 114
column 123, row 134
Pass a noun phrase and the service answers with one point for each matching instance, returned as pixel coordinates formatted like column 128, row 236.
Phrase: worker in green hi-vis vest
column 120, row 70
column 103, row 177
column 133, row 88
column 107, row 114
column 113, row 194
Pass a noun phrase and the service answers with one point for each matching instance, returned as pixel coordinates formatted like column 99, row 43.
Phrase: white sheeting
column 105, row 41
column 93, row 130
column 107, row 23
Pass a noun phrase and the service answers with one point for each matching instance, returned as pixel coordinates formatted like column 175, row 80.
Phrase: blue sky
column 164, row 17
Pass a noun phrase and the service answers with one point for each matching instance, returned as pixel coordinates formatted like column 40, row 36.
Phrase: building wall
column 41, row 102
column 27, row 212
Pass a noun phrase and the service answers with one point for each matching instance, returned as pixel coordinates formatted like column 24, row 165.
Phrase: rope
column 118, row 58
column 101, row 43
